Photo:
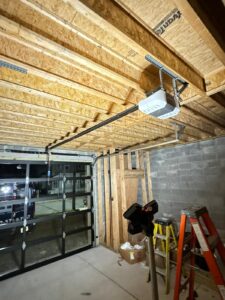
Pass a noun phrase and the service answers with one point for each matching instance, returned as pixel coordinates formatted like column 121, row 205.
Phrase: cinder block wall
column 192, row 174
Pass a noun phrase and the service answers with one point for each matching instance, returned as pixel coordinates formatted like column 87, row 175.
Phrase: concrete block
column 220, row 154
column 208, row 149
column 208, row 143
column 185, row 166
column 222, row 162
column 213, row 170
column 198, row 164
column 192, row 158
column 220, row 141
column 191, row 174
column 213, row 163
column 210, row 156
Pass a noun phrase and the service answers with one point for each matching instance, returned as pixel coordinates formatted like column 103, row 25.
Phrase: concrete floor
column 94, row 274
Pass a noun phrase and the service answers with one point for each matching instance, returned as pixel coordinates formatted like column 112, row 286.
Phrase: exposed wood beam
column 39, row 107
column 36, row 121
column 212, row 13
column 30, row 39
column 8, row 124
column 197, row 24
column 44, row 97
column 68, row 83
column 209, row 114
column 53, row 101
column 48, row 100
column 215, row 83
column 129, row 29
column 21, row 132
column 220, row 99
column 63, row 28
column 14, row 135
column 33, row 110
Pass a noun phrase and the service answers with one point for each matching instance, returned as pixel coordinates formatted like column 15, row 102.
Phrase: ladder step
column 160, row 253
column 160, row 236
column 213, row 241
column 161, row 271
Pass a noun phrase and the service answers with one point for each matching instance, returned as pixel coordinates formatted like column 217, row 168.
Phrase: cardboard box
column 136, row 238
column 132, row 256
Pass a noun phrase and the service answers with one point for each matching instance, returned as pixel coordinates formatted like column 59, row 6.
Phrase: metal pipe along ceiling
column 88, row 130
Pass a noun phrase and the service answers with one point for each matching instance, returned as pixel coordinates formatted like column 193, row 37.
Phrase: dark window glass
column 83, row 186
column 74, row 222
column 68, row 170
column 78, row 240
column 45, row 229
column 46, row 207
column 78, row 203
column 39, row 171
column 10, row 262
column 43, row 251
column 46, row 189
column 10, row 237
column 12, row 171
column 44, row 211
column 83, row 170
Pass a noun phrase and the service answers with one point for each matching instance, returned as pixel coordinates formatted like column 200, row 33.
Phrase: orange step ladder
column 197, row 216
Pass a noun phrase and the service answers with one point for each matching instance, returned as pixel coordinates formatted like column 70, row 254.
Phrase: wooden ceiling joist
column 35, row 41
column 134, row 33
column 83, row 62
column 65, row 33
column 199, row 26
column 62, row 81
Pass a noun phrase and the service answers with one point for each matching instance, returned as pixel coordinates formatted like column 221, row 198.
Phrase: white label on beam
column 200, row 237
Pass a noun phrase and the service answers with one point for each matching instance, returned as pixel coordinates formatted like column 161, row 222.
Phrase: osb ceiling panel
column 68, row 65
column 170, row 24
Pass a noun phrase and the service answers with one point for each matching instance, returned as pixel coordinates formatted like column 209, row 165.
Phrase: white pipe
column 151, row 146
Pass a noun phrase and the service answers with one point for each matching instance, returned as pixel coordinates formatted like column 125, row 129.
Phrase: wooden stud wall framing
column 124, row 192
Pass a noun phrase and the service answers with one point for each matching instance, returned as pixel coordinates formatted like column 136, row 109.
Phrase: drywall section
column 192, row 174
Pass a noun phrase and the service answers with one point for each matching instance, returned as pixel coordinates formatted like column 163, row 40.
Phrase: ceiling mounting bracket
column 175, row 79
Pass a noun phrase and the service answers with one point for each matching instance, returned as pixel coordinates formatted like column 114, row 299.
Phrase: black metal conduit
column 88, row 130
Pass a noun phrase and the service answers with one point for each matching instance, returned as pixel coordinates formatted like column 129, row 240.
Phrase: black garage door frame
column 24, row 244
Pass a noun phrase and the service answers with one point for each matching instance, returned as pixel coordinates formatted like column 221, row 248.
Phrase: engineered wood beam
column 32, row 40
column 65, row 25
column 7, row 127
column 57, row 79
column 120, row 23
column 219, row 98
column 45, row 100
column 192, row 17
column 37, row 121
column 210, row 116
column 215, row 82
column 212, row 13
